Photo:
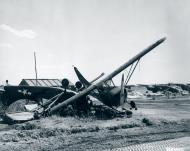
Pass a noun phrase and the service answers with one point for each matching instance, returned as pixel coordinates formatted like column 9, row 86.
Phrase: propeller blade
column 122, row 93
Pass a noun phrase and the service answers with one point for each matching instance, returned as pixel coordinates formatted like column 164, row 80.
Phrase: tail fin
column 81, row 78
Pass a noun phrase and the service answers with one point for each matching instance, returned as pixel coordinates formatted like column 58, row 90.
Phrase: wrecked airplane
column 60, row 99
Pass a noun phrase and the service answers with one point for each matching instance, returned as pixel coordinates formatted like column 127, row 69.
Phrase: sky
column 96, row 36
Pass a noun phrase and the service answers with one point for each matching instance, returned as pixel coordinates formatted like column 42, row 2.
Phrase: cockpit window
column 109, row 83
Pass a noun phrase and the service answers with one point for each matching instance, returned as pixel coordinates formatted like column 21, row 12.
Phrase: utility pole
column 35, row 68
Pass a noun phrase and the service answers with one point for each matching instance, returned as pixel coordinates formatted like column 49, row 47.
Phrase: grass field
column 155, row 120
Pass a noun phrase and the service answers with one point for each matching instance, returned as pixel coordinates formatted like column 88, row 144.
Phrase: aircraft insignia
column 25, row 92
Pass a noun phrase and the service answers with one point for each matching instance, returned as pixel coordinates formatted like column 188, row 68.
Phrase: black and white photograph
column 94, row 75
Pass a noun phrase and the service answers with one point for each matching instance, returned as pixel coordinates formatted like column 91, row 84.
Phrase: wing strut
column 131, row 73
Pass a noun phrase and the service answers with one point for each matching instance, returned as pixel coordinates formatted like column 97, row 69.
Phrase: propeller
column 122, row 93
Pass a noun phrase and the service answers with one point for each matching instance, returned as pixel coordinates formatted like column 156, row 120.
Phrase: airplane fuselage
column 111, row 96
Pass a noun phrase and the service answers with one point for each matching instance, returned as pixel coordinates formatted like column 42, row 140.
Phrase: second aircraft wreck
column 60, row 99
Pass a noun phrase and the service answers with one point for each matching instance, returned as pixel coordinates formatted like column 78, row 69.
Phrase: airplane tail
column 81, row 78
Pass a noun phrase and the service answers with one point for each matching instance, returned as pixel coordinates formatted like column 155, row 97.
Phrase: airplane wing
column 13, row 93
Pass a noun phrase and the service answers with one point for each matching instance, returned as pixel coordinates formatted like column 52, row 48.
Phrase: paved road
column 180, row 144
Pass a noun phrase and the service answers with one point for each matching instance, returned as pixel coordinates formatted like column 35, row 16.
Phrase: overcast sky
column 96, row 36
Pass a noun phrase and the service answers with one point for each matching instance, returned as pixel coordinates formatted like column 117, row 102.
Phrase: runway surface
column 180, row 144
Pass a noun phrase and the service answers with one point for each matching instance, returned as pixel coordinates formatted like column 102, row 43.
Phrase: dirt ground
column 155, row 120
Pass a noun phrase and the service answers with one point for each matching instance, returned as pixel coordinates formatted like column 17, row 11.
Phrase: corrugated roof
column 43, row 82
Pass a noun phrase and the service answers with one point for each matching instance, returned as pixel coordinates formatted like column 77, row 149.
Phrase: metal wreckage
column 84, row 99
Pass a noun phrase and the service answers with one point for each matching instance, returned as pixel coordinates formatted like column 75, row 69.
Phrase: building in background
column 44, row 82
